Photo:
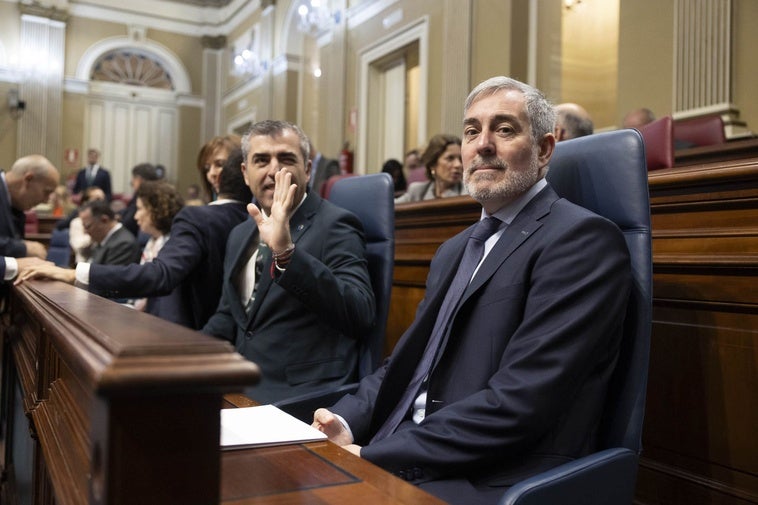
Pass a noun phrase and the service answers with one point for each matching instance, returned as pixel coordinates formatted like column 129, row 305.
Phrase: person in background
column 158, row 202
column 504, row 371
column 637, row 118
column 79, row 240
column 297, row 293
column 572, row 121
column 442, row 159
column 29, row 182
column 140, row 173
column 415, row 170
column 93, row 175
column 395, row 169
column 211, row 160
column 60, row 202
column 193, row 195
column 189, row 266
column 322, row 168
column 112, row 243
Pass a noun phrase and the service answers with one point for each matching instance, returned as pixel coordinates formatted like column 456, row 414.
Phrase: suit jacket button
column 401, row 474
column 418, row 473
column 248, row 335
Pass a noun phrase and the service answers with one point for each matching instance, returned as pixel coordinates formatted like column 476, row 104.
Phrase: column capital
column 37, row 9
column 213, row 42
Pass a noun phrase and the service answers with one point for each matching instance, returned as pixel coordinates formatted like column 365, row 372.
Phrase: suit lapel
column 524, row 225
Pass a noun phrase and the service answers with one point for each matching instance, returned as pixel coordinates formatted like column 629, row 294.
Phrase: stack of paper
column 262, row 426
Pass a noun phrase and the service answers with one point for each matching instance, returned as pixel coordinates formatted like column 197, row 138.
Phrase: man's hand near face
column 275, row 228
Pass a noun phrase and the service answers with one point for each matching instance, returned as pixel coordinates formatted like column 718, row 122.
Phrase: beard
column 505, row 184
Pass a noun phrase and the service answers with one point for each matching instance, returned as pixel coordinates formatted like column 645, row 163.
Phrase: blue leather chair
column 59, row 251
column 371, row 198
column 606, row 173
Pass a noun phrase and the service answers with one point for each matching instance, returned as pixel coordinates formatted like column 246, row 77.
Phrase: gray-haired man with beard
column 503, row 372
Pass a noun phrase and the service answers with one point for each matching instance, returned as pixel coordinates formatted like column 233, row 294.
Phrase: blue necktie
column 471, row 258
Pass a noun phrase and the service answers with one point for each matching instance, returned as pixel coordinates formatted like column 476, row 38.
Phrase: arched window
column 127, row 66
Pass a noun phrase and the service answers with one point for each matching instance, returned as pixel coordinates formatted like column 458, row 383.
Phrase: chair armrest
column 303, row 406
column 602, row 478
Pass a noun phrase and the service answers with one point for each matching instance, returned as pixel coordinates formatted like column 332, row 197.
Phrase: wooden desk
column 319, row 473
column 103, row 405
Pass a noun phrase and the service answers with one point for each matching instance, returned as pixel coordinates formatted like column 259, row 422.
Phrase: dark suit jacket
column 304, row 325
column 326, row 168
column 183, row 282
column 121, row 248
column 11, row 227
column 102, row 181
column 127, row 216
column 520, row 385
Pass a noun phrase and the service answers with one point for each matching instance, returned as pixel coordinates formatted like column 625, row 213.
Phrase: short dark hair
column 100, row 208
column 231, row 181
column 146, row 171
column 275, row 128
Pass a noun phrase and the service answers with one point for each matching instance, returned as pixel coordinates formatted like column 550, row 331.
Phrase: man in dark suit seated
column 504, row 371
column 93, row 175
column 188, row 270
column 113, row 244
column 296, row 293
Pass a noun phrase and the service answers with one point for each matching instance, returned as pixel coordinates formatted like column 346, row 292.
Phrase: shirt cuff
column 347, row 426
column 11, row 268
column 82, row 274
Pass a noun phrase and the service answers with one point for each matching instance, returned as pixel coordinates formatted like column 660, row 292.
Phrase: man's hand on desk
column 355, row 449
column 328, row 423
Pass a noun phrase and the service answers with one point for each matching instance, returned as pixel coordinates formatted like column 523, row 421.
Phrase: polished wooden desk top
column 314, row 473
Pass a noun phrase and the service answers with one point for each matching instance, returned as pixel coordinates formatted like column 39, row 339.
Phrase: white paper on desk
column 264, row 425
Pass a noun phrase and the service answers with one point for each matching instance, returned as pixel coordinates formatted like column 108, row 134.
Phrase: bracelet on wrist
column 282, row 259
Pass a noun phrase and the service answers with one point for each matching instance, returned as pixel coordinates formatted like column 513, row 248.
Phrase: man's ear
column 546, row 148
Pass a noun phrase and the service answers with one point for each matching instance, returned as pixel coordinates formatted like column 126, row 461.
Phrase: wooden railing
column 700, row 443
column 105, row 405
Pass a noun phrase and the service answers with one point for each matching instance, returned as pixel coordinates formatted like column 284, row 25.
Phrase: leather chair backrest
column 606, row 173
column 371, row 198
column 59, row 251
column 326, row 188
column 659, row 143
column 700, row 131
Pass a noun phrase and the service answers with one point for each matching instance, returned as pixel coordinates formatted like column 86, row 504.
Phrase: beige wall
column 745, row 70
column 646, row 57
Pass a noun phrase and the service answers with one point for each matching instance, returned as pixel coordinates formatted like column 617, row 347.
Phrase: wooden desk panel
column 320, row 473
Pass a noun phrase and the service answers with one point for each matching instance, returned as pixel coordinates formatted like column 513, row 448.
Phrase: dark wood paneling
column 115, row 406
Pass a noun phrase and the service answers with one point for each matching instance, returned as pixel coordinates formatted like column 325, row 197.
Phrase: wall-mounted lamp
column 15, row 105
column 315, row 17
column 246, row 62
column 570, row 4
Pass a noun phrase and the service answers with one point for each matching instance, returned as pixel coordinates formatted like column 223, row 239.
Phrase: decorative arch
column 166, row 59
